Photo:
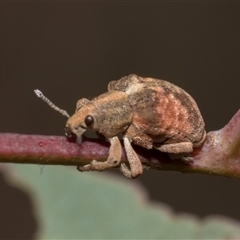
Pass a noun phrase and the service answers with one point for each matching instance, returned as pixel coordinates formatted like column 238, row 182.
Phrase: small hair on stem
column 46, row 100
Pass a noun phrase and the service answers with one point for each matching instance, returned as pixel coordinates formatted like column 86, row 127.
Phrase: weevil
column 148, row 112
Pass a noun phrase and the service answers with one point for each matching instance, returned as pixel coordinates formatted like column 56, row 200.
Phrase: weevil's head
column 109, row 114
column 80, row 121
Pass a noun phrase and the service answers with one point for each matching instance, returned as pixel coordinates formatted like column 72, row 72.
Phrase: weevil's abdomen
column 165, row 112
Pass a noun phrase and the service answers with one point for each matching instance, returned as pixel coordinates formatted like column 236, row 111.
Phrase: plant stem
column 220, row 153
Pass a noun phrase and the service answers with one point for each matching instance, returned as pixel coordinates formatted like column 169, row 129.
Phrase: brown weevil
column 148, row 112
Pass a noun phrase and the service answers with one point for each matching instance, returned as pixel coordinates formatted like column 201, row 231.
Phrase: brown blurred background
column 72, row 50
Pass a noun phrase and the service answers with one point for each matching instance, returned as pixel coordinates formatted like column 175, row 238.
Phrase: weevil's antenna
column 46, row 100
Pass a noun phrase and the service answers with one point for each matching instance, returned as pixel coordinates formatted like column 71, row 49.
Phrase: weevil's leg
column 187, row 159
column 85, row 168
column 182, row 147
column 177, row 150
column 134, row 162
column 125, row 170
column 138, row 137
column 80, row 103
column 114, row 158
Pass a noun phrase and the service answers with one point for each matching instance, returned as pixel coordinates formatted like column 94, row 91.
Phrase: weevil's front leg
column 114, row 158
column 133, row 159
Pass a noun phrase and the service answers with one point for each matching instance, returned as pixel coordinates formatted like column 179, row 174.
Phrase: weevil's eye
column 89, row 120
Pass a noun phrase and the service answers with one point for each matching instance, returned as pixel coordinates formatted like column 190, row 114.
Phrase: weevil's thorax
column 113, row 113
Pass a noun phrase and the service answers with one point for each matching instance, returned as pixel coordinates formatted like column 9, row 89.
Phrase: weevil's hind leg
column 134, row 162
column 187, row 159
column 114, row 158
column 178, row 151
column 182, row 147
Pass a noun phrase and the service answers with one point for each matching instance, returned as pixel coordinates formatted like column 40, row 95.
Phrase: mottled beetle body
column 149, row 112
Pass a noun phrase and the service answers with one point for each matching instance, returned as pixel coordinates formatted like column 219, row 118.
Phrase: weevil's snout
column 74, row 132
column 78, row 123
column 70, row 135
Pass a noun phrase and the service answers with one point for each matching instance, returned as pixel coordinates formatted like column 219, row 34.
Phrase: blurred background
column 72, row 50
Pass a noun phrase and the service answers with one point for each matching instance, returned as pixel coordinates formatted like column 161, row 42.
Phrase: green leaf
column 73, row 205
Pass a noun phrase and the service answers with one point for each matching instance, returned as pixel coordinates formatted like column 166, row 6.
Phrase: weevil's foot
column 85, row 168
column 101, row 166
column 184, row 157
column 187, row 160
column 125, row 170
column 145, row 167
column 95, row 166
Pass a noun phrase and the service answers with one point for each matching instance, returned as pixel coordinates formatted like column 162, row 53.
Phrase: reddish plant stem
column 57, row 150
column 220, row 153
column 53, row 150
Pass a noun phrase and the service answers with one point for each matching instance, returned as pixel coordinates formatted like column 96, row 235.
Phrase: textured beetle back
column 163, row 111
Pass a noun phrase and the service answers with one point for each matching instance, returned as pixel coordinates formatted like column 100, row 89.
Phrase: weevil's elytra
column 148, row 112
